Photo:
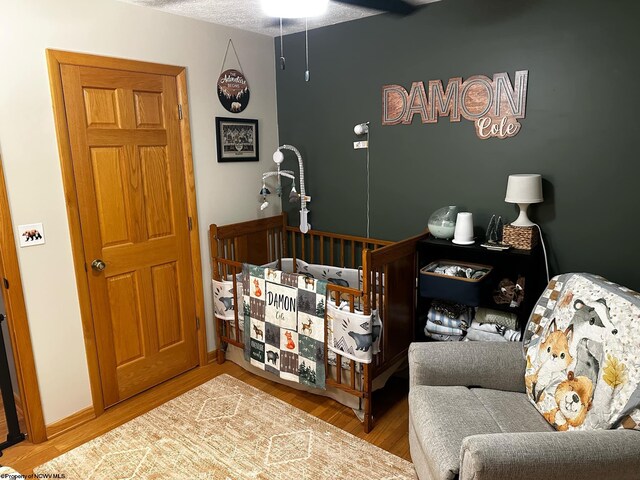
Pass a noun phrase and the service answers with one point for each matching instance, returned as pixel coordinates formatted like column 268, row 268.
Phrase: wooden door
column 130, row 181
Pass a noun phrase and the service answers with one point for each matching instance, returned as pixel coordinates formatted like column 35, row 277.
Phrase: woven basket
column 523, row 238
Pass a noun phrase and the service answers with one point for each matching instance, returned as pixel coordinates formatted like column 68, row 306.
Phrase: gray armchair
column 469, row 418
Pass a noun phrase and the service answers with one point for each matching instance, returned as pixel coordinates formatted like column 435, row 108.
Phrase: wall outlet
column 362, row 144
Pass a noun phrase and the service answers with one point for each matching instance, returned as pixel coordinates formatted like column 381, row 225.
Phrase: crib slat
column 311, row 247
column 227, row 255
column 285, row 243
column 293, row 251
column 274, row 239
column 270, row 246
column 230, row 255
column 374, row 289
column 237, row 304
column 352, row 364
column 338, row 368
column 302, row 248
column 236, row 249
column 342, row 252
column 385, row 309
column 326, row 340
column 322, row 249
column 331, row 255
column 275, row 245
column 353, row 254
column 223, row 271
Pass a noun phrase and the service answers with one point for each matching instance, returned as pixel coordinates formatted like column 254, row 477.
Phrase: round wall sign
column 233, row 91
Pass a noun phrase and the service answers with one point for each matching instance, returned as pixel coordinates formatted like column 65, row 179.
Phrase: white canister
column 463, row 234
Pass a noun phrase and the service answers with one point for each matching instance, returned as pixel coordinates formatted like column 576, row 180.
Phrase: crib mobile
column 294, row 196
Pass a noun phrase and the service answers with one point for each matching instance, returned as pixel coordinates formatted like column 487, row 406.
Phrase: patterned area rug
column 228, row 430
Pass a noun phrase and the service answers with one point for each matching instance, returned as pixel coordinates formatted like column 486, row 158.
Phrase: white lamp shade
column 524, row 188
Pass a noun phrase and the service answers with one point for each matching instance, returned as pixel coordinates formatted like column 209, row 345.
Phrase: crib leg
column 221, row 356
column 368, row 397
column 221, row 344
column 368, row 418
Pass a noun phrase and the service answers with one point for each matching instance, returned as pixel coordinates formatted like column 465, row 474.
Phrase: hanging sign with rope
column 233, row 87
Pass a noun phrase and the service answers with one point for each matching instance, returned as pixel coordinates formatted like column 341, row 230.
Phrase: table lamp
column 524, row 189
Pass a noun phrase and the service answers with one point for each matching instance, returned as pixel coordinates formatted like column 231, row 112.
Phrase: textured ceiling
column 248, row 15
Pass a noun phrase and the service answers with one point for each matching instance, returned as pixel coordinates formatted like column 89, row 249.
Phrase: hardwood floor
column 390, row 413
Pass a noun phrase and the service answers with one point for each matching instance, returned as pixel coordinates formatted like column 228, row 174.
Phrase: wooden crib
column 388, row 284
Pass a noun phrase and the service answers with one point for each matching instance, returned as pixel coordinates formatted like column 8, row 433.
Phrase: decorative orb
column 442, row 222
column 278, row 157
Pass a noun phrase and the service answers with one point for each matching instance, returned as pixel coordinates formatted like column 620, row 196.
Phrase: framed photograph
column 237, row 139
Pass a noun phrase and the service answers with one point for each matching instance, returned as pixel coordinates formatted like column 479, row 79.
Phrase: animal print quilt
column 582, row 346
column 284, row 324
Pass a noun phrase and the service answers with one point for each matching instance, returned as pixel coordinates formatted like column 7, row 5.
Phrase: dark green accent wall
column 581, row 130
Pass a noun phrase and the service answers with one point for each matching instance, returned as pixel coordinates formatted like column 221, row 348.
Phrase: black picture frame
column 237, row 140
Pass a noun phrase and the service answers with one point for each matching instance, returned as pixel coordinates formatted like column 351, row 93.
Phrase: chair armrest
column 496, row 365
column 577, row 455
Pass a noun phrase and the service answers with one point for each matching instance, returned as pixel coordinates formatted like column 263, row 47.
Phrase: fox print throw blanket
column 284, row 324
column 582, row 346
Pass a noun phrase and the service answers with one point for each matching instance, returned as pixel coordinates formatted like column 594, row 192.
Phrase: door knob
column 98, row 265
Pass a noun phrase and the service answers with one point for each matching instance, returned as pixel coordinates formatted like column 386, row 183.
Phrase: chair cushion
column 441, row 417
column 583, row 354
column 512, row 411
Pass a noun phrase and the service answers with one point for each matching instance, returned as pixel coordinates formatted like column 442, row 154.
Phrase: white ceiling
column 248, row 15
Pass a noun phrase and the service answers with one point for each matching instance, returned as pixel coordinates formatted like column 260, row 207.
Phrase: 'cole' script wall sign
column 493, row 105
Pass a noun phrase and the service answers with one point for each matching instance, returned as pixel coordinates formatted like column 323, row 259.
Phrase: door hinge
column 190, row 221
column 179, row 112
column 6, row 283
column 197, row 323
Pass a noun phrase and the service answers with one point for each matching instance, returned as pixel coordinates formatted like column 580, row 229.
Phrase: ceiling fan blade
column 398, row 7
column 275, row 22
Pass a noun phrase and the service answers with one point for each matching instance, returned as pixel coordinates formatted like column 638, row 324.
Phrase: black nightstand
column 506, row 264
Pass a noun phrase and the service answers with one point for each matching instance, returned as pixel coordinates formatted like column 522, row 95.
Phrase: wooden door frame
column 18, row 324
column 56, row 58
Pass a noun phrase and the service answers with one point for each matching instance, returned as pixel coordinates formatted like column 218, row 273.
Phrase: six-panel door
column 127, row 161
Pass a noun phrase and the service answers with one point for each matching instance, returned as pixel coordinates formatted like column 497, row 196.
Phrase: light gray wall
column 580, row 131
